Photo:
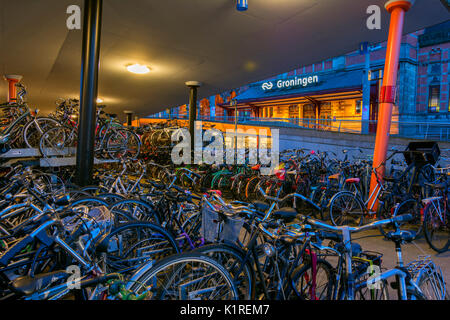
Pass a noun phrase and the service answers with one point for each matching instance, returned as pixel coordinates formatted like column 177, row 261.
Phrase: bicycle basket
column 423, row 152
column 215, row 228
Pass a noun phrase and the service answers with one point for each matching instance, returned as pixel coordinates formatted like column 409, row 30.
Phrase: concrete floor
column 373, row 240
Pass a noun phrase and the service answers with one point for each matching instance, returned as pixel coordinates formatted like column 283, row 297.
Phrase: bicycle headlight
column 269, row 250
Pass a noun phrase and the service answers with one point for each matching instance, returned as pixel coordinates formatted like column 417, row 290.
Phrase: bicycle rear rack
column 423, row 265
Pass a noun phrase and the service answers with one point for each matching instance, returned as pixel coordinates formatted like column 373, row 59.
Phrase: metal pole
column 397, row 9
column 235, row 131
column 193, row 85
column 88, row 91
column 129, row 115
column 365, row 112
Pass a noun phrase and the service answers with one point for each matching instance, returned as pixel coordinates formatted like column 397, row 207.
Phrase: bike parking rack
column 33, row 156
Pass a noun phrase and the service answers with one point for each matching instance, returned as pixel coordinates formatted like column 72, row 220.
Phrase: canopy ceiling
column 180, row 40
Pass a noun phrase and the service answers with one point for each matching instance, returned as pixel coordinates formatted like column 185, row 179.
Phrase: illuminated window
column 358, row 106
column 433, row 99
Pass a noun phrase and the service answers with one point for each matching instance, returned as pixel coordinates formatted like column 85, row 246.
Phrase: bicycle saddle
column 27, row 285
column 352, row 180
column 286, row 214
column 402, row 236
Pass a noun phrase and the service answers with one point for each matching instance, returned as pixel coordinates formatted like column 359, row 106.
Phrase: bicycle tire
column 339, row 215
column 303, row 273
column 30, row 137
column 225, row 253
column 173, row 266
column 157, row 243
column 431, row 222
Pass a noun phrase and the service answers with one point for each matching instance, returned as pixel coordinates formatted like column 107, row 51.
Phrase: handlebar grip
column 331, row 236
column 402, row 218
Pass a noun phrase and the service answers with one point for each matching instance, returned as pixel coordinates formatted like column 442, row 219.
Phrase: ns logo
column 267, row 86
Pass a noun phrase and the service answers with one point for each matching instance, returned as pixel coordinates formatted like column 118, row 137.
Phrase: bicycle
column 411, row 280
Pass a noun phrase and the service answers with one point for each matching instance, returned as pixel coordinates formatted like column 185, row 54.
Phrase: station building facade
column 331, row 91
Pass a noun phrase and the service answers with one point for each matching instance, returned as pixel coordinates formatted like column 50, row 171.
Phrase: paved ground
column 374, row 241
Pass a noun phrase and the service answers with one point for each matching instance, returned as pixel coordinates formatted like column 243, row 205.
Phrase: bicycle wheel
column 186, row 276
column 33, row 130
column 346, row 209
column 232, row 258
column 412, row 207
column 192, row 225
column 224, row 185
column 379, row 291
column 123, row 143
column 133, row 244
column 135, row 209
column 306, row 287
column 58, row 141
column 436, row 225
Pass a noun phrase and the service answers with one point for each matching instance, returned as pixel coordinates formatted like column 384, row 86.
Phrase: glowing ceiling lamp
column 137, row 68
column 99, row 100
column 242, row 5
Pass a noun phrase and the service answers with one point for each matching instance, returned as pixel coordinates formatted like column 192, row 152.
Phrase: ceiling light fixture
column 99, row 100
column 137, row 68
column 242, row 5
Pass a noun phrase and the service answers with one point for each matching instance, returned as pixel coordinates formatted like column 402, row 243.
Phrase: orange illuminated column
column 397, row 9
column 12, row 92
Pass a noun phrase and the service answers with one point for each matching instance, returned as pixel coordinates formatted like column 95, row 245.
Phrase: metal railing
column 439, row 131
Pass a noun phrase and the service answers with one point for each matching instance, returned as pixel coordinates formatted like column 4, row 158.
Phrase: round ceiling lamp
column 138, row 68
column 242, row 5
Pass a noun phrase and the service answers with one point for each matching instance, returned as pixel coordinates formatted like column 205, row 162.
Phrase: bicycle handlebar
column 375, row 224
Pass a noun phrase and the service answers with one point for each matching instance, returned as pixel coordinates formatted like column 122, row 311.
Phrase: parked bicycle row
column 137, row 238
column 56, row 134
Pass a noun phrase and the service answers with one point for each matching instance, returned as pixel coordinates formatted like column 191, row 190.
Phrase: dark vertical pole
column 193, row 85
column 88, row 91
column 129, row 115
column 192, row 113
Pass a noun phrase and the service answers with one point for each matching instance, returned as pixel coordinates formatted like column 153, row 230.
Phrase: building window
column 358, row 106
column 293, row 111
column 433, row 99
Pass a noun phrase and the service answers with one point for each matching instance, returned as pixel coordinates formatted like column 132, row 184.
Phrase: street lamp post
column 193, row 86
column 129, row 115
